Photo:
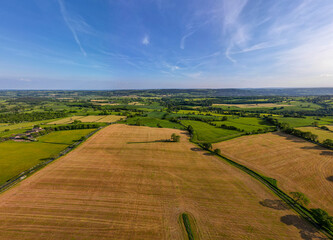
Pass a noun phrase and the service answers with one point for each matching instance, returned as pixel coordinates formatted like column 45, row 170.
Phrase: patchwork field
column 322, row 134
column 92, row 118
column 297, row 165
column 126, row 183
column 306, row 121
column 208, row 133
column 258, row 105
column 247, row 124
column 153, row 122
column 111, row 118
column 16, row 157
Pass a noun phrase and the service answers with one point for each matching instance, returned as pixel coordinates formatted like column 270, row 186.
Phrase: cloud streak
column 71, row 27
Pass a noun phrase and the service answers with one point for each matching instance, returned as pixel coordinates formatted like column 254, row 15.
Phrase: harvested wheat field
column 297, row 165
column 66, row 120
column 126, row 183
column 92, row 118
column 111, row 118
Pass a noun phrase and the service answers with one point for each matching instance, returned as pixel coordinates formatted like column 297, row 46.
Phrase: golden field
column 297, row 165
column 125, row 182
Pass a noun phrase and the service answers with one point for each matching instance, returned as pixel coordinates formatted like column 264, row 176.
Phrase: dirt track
column 121, row 184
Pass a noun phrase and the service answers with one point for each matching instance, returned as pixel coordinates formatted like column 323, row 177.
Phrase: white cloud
column 145, row 40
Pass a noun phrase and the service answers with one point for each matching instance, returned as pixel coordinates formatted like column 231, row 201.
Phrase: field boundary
column 23, row 175
column 301, row 210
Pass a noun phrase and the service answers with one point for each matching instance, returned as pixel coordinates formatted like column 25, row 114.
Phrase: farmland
column 99, row 118
column 297, row 165
column 129, row 181
column 153, row 122
column 306, row 121
column 125, row 183
column 207, row 133
column 16, row 157
column 247, row 124
column 322, row 134
column 258, row 105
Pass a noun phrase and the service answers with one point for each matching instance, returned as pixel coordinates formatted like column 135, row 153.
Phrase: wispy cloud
column 73, row 27
column 25, row 79
column 145, row 40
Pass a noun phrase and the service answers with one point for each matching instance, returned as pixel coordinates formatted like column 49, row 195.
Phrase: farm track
column 122, row 184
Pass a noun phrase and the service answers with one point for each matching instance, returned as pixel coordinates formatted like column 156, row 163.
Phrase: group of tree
column 321, row 216
column 30, row 117
column 74, row 126
column 285, row 127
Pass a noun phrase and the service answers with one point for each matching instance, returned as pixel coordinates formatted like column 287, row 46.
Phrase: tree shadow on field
column 209, row 154
column 290, row 137
column 307, row 231
column 330, row 178
column 326, row 153
column 274, row 204
column 315, row 147
column 196, row 149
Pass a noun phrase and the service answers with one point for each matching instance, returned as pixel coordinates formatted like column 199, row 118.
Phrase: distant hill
column 226, row 92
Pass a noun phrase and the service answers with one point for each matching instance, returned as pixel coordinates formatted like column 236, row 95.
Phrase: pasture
column 257, row 105
column 153, row 122
column 306, row 121
column 208, row 133
column 296, row 164
column 125, row 183
column 246, row 124
column 16, row 157
column 7, row 130
column 322, row 134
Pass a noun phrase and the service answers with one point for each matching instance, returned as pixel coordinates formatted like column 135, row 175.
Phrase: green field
column 19, row 127
column 16, row 157
column 303, row 122
column 322, row 134
column 153, row 122
column 207, row 133
column 246, row 124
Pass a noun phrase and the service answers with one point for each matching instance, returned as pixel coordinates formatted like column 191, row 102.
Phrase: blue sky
column 135, row 44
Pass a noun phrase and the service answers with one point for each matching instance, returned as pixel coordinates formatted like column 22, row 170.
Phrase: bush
column 322, row 217
column 217, row 151
column 207, row 146
column 175, row 138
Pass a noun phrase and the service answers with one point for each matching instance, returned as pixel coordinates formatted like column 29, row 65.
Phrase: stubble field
column 126, row 183
column 297, row 165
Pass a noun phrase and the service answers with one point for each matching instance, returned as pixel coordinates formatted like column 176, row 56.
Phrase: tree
column 175, row 137
column 328, row 143
column 76, row 121
column 300, row 198
column 322, row 218
column 207, row 146
column 217, row 151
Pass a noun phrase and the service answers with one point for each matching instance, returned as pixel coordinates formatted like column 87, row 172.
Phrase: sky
column 147, row 44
